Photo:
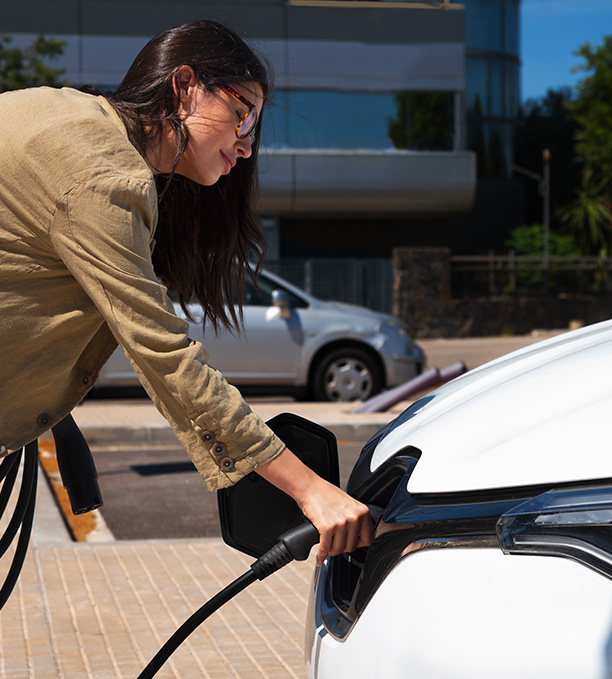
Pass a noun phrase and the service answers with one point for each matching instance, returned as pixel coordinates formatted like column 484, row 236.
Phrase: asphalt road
column 156, row 492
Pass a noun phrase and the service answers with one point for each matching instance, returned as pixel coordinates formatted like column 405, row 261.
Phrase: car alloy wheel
column 346, row 374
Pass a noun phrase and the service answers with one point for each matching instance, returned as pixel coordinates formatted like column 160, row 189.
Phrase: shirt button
column 219, row 449
column 43, row 420
column 207, row 436
column 227, row 464
column 86, row 380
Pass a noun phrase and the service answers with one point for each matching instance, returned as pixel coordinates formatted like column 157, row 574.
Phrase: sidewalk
column 100, row 610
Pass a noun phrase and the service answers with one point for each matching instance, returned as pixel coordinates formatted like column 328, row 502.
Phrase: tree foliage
column 29, row 67
column 590, row 214
column 528, row 241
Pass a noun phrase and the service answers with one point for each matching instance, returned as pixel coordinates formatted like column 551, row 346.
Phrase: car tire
column 346, row 374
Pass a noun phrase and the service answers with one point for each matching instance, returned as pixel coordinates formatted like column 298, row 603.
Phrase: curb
column 156, row 435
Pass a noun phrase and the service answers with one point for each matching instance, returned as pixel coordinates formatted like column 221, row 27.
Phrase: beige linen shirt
column 78, row 210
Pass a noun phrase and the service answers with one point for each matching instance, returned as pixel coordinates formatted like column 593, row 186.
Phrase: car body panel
column 534, row 416
column 475, row 614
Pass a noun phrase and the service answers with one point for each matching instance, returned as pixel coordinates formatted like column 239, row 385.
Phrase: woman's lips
column 229, row 163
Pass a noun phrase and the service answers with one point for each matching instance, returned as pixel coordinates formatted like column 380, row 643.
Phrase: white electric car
column 493, row 556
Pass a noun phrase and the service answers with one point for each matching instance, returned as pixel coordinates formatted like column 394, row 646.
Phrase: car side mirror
column 253, row 512
column 281, row 300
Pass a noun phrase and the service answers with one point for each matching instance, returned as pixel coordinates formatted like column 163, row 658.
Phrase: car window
column 262, row 295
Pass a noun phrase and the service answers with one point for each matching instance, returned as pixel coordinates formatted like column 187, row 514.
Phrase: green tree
column 29, row 67
column 527, row 241
column 590, row 214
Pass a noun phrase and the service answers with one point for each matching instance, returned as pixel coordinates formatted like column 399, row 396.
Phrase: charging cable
column 78, row 474
column 295, row 544
column 23, row 513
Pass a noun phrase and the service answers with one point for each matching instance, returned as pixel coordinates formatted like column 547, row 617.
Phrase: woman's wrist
column 288, row 473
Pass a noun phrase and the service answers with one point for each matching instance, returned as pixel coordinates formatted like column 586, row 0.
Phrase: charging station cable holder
column 76, row 467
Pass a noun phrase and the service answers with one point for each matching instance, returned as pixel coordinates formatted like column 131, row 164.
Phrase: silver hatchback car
column 296, row 343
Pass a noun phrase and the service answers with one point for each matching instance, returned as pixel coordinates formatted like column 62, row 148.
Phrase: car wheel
column 346, row 374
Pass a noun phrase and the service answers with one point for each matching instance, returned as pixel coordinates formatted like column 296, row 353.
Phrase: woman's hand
column 343, row 523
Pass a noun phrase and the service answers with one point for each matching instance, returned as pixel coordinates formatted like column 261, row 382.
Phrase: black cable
column 27, row 483
column 294, row 544
column 192, row 623
column 23, row 517
column 8, row 474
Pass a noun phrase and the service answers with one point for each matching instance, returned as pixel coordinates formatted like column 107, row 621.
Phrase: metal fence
column 369, row 282
column 366, row 282
column 492, row 274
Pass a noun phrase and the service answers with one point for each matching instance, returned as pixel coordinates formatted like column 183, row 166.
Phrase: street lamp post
column 544, row 191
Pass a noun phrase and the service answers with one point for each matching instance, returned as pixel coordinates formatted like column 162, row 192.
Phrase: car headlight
column 393, row 329
column 570, row 522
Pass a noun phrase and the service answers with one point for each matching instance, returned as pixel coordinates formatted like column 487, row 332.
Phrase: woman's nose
column 244, row 147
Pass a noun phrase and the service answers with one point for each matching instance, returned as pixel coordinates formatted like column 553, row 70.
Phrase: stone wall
column 423, row 299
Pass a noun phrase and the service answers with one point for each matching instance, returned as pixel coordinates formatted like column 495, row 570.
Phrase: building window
column 492, row 82
column 360, row 120
column 423, row 121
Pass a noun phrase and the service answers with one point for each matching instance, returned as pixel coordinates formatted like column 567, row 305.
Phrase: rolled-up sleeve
column 102, row 231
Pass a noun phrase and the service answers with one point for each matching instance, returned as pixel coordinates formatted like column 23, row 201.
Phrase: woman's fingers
column 351, row 527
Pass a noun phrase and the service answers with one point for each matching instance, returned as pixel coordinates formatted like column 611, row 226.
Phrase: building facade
column 379, row 110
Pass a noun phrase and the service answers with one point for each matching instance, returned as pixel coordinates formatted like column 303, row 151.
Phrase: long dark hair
column 206, row 235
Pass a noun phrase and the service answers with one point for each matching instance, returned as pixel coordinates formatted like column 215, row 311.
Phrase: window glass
column 476, row 86
column 512, row 89
column 496, row 74
column 511, row 27
column 369, row 120
column 423, row 121
column 483, row 24
column 262, row 294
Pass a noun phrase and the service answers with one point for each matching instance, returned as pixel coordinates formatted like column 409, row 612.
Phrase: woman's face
column 211, row 119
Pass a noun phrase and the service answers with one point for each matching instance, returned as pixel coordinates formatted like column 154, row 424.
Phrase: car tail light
column 575, row 523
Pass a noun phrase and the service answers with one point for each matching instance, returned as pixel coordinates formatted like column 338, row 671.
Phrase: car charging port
column 344, row 572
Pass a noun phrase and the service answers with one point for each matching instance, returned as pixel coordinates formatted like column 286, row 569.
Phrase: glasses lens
column 248, row 124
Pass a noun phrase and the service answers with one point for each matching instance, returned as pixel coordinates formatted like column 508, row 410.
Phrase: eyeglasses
column 247, row 125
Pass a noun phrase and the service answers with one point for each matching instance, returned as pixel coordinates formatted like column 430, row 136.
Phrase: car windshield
column 262, row 294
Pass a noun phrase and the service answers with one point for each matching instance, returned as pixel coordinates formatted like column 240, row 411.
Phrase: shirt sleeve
column 102, row 231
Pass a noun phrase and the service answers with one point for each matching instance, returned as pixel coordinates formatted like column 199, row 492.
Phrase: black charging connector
column 294, row 544
column 76, row 467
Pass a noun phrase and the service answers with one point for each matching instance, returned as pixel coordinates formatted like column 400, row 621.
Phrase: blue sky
column 551, row 30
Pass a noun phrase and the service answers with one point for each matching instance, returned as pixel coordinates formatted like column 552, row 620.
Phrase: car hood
column 536, row 416
column 356, row 311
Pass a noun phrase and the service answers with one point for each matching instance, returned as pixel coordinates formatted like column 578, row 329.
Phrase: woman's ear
column 184, row 81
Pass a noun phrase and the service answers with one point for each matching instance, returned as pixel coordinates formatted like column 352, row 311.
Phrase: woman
column 103, row 196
